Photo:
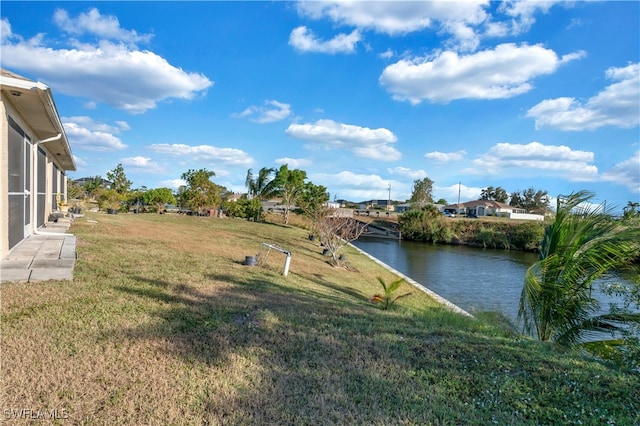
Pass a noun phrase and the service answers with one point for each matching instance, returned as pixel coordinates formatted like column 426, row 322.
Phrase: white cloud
column 452, row 192
column 305, row 40
column 407, row 173
column 467, row 22
column 103, row 26
column 272, row 111
column 5, row 30
column 86, row 134
column 503, row 72
column 79, row 162
column 91, row 124
column 387, row 54
column 465, row 37
column 446, row 156
column 626, row 173
column 362, row 141
column 205, row 153
column 503, row 158
column 141, row 164
column 396, row 18
column 523, row 12
column 172, row 183
column 617, row 105
column 355, row 187
column 104, row 71
column 294, row 163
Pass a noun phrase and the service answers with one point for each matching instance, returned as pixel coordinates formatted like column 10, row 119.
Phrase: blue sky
column 361, row 95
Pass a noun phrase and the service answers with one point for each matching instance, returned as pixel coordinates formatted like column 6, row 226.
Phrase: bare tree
column 336, row 231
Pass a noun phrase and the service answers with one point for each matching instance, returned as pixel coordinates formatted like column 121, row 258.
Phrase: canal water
column 474, row 279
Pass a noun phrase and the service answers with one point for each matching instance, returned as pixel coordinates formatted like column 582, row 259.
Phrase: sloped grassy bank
column 163, row 324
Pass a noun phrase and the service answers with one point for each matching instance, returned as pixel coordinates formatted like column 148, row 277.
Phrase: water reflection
column 472, row 278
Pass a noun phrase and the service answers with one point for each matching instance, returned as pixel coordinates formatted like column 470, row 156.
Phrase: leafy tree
column 582, row 245
column 200, row 192
column 289, row 184
column 159, row 197
column 312, row 199
column 501, row 195
column 119, row 181
column 224, row 193
column 74, row 190
column 135, row 197
column 426, row 224
column 91, row 188
column 443, row 202
column 110, row 199
column 243, row 208
column 422, row 193
column 515, row 199
column 181, row 196
column 498, row 194
column 535, row 201
column 531, row 200
column 311, row 202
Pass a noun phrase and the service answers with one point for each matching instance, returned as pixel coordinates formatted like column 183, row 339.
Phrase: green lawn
column 164, row 324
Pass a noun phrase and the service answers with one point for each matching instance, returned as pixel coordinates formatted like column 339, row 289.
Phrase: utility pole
column 389, row 200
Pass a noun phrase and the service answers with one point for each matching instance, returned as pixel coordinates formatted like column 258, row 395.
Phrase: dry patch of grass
column 163, row 324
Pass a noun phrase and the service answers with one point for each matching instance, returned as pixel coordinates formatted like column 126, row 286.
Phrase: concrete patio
column 48, row 255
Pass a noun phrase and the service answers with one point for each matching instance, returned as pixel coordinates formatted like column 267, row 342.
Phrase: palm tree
column 632, row 209
column 260, row 186
column 582, row 245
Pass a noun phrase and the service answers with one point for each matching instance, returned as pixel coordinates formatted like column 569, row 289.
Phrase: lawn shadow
column 291, row 355
column 309, row 345
column 319, row 279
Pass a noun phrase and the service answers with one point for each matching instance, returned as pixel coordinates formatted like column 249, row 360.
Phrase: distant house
column 82, row 181
column 35, row 157
column 404, row 207
column 481, row 208
column 454, row 209
column 377, row 204
column 235, row 196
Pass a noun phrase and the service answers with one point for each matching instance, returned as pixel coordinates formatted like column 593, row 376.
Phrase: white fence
column 525, row 216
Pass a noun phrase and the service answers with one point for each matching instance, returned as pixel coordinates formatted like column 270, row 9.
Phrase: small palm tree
column 387, row 298
column 581, row 246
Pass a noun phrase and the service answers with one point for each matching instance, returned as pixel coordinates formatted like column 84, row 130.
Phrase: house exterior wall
column 38, row 214
column 4, row 184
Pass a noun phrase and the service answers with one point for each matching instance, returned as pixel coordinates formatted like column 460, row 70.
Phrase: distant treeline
column 431, row 226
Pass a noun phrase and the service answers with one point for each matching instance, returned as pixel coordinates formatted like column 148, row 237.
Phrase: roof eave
column 45, row 98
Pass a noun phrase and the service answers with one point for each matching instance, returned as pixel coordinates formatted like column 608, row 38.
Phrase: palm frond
column 581, row 246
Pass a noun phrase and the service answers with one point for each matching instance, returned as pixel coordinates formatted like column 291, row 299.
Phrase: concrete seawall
column 447, row 304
